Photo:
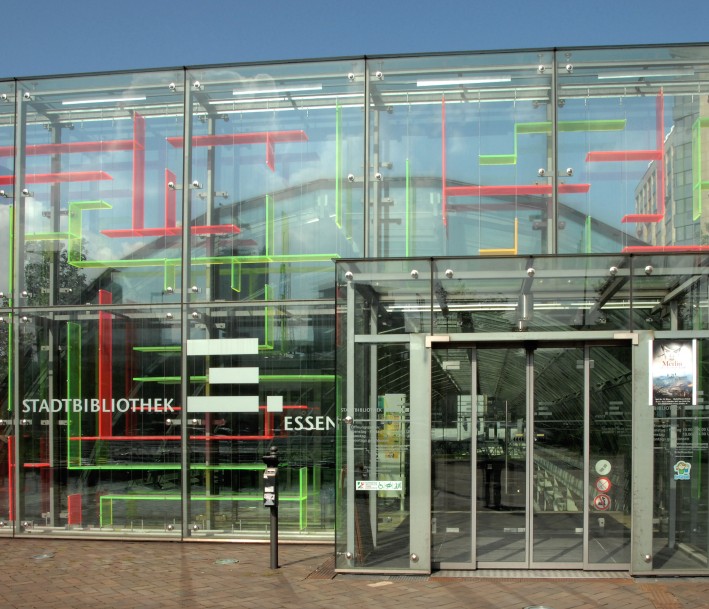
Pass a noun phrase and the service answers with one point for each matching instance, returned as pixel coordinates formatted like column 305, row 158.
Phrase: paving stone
column 84, row 574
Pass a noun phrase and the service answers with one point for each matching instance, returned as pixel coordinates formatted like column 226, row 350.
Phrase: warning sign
column 603, row 485
column 378, row 485
column 602, row 502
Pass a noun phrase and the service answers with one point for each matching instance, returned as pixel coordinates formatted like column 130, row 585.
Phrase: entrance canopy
column 527, row 295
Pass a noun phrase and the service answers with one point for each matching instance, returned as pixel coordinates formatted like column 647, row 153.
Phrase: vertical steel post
column 350, row 438
column 641, row 554
column 17, row 284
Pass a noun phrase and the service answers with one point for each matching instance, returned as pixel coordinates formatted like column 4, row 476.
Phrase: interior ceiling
column 501, row 373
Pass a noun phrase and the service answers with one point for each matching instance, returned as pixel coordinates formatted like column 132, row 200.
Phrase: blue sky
column 41, row 37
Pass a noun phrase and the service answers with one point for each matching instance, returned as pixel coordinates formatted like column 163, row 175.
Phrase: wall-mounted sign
column 673, row 372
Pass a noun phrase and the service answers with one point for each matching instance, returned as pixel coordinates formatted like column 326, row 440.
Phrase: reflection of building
column 686, row 162
column 433, row 283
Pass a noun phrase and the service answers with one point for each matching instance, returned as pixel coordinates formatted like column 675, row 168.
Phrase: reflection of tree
column 71, row 281
column 4, row 365
column 49, row 280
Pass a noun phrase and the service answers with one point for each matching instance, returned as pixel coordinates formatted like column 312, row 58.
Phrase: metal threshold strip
column 530, row 574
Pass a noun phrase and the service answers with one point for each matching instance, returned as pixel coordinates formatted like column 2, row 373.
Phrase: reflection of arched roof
column 156, row 246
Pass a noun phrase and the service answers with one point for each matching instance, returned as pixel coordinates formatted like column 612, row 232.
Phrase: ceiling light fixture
column 645, row 74
column 452, row 82
column 270, row 90
column 283, row 98
column 102, row 100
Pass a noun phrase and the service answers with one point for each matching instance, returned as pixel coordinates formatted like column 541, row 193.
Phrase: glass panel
column 392, row 296
column 95, row 195
column 669, row 292
column 7, row 157
column 261, row 376
column 634, row 128
column 451, row 437
column 681, row 468
column 501, row 456
column 374, row 532
column 558, row 438
column 7, row 437
column 610, row 451
column 540, row 293
column 7, row 146
column 537, row 294
column 99, row 444
column 457, row 143
column 271, row 201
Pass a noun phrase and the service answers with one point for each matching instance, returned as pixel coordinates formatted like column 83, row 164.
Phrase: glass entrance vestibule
column 536, row 412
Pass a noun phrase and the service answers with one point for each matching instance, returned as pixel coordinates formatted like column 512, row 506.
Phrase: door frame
column 419, row 490
column 530, row 347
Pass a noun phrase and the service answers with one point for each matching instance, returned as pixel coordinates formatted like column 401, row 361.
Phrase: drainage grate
column 408, row 578
column 325, row 570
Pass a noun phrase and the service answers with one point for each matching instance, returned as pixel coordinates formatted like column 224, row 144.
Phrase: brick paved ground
column 78, row 574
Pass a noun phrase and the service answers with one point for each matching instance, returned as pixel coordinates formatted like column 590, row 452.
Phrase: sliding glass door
column 531, row 456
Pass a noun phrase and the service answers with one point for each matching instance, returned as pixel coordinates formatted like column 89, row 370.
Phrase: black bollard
column 270, row 499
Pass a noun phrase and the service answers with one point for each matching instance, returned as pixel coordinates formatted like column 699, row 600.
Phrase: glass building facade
column 465, row 296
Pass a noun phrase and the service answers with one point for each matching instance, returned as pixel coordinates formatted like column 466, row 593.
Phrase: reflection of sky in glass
column 490, row 140
column 6, row 169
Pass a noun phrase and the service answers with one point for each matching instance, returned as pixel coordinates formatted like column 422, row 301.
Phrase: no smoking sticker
column 602, row 502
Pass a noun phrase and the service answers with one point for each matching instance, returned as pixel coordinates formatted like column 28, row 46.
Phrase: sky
column 39, row 37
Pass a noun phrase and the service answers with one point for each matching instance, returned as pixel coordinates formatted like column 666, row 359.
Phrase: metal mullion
column 372, row 402
column 18, row 281
column 349, row 429
column 553, row 221
column 419, row 485
column 586, row 450
column 529, row 535
column 371, row 230
column 185, row 326
column 54, row 285
column 474, row 456
column 209, row 475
